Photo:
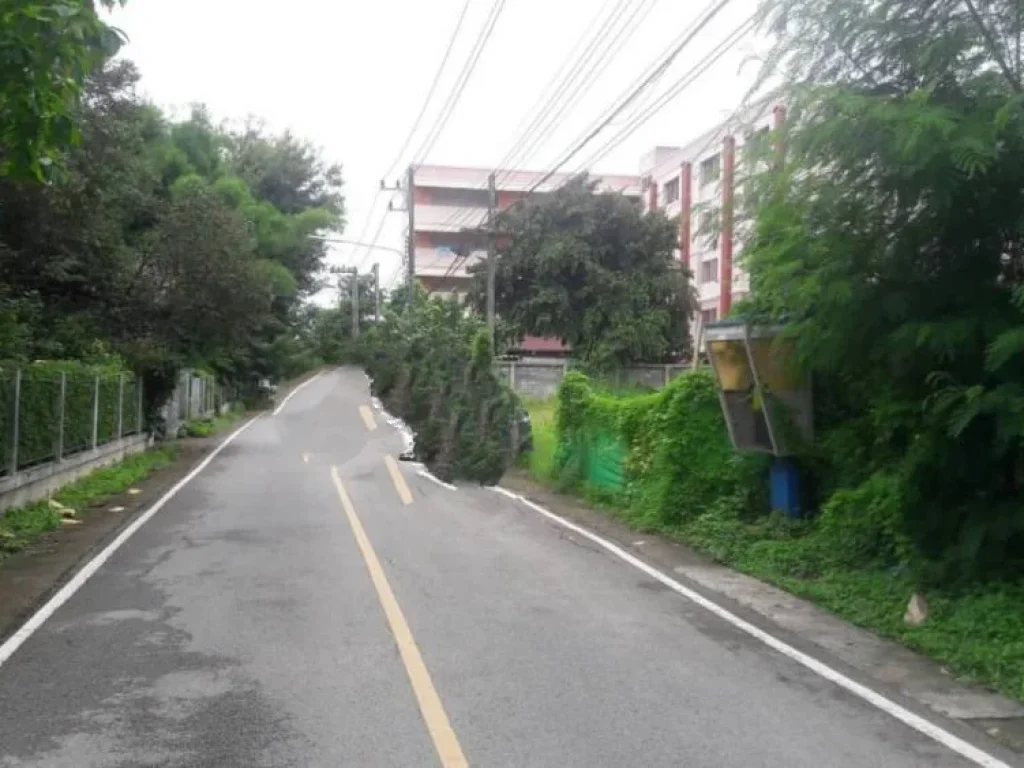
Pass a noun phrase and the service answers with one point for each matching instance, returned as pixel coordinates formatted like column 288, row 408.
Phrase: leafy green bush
column 431, row 366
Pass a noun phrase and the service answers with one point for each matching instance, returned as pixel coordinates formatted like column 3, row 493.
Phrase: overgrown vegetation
column 163, row 244
column 208, row 427
column 889, row 236
column 21, row 526
column 431, row 366
column 663, row 462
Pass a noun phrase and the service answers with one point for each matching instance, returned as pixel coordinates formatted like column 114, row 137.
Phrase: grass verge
column 212, row 426
column 20, row 526
column 976, row 632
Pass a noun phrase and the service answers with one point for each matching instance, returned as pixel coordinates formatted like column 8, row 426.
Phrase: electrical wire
column 412, row 131
column 635, row 92
column 582, row 75
column 687, row 79
column 430, row 91
column 460, row 84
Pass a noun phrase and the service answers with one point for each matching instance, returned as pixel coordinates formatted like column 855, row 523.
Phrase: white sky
column 351, row 74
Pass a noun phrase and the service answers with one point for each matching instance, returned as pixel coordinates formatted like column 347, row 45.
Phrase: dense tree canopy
column 593, row 270
column 164, row 242
column 893, row 240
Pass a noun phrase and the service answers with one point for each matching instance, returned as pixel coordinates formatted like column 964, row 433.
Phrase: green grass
column 978, row 634
column 210, row 427
column 541, row 461
column 19, row 527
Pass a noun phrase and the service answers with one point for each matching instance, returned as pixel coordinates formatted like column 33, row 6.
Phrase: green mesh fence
column 62, row 413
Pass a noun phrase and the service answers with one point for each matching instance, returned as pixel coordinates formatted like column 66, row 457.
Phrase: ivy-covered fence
column 665, row 456
column 50, row 411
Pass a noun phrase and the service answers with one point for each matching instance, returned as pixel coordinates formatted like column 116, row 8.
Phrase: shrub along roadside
column 19, row 527
column 679, row 476
column 431, row 365
column 212, row 426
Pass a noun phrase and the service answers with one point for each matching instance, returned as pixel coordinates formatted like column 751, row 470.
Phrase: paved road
column 289, row 608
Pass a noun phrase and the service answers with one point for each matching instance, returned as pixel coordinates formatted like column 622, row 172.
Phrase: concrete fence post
column 62, row 394
column 95, row 412
column 120, row 405
column 15, row 421
column 668, row 374
column 512, row 375
column 138, row 413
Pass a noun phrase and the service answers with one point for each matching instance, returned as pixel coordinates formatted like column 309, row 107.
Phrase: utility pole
column 376, row 292
column 410, row 204
column 492, row 210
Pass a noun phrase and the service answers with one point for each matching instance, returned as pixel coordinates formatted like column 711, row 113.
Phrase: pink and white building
column 697, row 182
column 451, row 208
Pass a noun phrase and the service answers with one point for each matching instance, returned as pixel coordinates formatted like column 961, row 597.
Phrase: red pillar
column 728, row 184
column 652, row 195
column 685, row 212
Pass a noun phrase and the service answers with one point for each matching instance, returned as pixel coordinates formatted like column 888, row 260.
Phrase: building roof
column 461, row 177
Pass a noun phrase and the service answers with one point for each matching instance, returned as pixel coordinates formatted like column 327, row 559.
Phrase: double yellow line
column 440, row 729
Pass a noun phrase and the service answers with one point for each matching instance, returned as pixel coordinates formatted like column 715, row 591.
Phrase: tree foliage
column 893, row 240
column 153, row 245
column 47, row 50
column 593, row 270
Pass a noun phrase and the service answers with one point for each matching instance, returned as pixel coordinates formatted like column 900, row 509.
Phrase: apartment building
column 450, row 207
column 697, row 182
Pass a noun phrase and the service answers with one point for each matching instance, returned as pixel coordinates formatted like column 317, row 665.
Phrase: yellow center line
column 396, row 477
column 367, row 414
column 441, row 733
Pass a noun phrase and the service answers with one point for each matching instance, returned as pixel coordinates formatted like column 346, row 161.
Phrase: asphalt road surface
column 307, row 601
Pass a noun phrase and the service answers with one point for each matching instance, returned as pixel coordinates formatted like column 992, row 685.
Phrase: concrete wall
column 40, row 482
column 539, row 377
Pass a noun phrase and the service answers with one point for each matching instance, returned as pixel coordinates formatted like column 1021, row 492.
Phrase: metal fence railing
column 48, row 415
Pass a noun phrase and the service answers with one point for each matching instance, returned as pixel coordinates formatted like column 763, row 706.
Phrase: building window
column 671, row 191
column 708, row 228
column 708, row 315
column 709, row 271
column 710, row 169
column 458, row 198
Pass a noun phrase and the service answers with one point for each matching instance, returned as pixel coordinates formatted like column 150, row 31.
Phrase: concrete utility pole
column 492, row 210
column 376, row 292
column 410, row 203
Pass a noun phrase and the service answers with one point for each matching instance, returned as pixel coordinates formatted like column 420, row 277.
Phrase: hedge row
column 39, row 409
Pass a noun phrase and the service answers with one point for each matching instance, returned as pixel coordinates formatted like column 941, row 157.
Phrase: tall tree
column 593, row 270
column 892, row 239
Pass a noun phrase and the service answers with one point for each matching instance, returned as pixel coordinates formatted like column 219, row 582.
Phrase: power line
column 575, row 83
column 430, row 91
column 460, row 84
column 636, row 92
column 640, row 86
column 674, row 90
column 659, row 103
column 412, row 129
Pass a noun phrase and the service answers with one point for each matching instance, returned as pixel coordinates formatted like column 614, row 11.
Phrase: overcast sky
column 351, row 75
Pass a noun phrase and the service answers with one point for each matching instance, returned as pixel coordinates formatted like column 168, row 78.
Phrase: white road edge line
column 436, row 480
column 922, row 725
column 65, row 593
column 295, row 391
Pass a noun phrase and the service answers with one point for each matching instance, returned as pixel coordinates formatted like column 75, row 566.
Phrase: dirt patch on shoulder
column 30, row 577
